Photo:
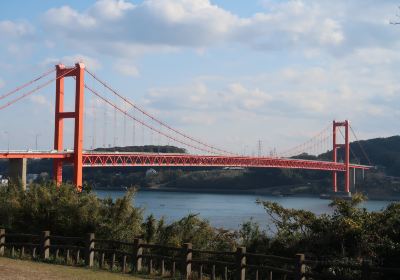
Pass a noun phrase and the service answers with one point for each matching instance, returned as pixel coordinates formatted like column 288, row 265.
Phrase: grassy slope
column 21, row 270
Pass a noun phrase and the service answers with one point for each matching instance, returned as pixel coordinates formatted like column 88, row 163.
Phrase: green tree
column 150, row 228
column 63, row 211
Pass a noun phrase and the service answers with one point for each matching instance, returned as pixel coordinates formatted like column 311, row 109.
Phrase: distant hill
column 383, row 182
column 381, row 152
column 146, row 149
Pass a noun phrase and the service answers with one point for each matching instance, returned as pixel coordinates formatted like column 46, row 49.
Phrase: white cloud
column 110, row 9
column 331, row 33
column 39, row 99
column 198, row 97
column 377, row 55
column 126, row 69
column 197, row 119
column 120, row 27
column 69, row 19
column 17, row 38
column 43, row 101
column 15, row 29
column 247, row 99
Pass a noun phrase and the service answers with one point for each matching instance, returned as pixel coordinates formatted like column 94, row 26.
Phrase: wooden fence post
column 365, row 270
column 187, row 250
column 241, row 263
column 45, row 242
column 102, row 257
column 162, row 268
column 173, row 269
column 137, row 255
column 77, row 256
column 124, row 264
column 2, row 241
column 150, row 266
column 112, row 262
column 89, row 254
column 300, row 267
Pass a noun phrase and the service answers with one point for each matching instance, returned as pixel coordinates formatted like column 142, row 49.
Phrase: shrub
column 66, row 212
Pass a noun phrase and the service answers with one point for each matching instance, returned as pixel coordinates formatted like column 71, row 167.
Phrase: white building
column 151, row 172
column 3, row 181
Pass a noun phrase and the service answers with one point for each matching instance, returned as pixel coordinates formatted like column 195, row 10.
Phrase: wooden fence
column 181, row 262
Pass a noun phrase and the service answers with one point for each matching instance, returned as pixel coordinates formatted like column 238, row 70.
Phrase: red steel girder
column 37, row 155
column 150, row 159
column 165, row 160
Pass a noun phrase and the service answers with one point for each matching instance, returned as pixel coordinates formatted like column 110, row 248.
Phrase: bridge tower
column 78, row 73
column 335, row 148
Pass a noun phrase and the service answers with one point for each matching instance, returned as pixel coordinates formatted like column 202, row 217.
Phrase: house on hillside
column 150, row 172
column 3, row 181
column 30, row 178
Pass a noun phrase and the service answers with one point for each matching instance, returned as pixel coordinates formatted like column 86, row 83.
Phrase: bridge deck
column 34, row 154
column 101, row 159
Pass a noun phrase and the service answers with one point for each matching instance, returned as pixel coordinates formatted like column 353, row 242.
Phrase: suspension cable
column 145, row 124
column 361, row 147
column 154, row 118
column 27, row 84
column 304, row 144
column 352, row 152
column 35, row 89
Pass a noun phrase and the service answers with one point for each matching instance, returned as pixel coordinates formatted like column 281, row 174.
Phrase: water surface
column 224, row 210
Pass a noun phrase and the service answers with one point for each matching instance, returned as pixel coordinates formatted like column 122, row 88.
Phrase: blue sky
column 227, row 72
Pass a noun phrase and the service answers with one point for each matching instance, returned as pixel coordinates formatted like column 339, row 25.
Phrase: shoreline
column 238, row 192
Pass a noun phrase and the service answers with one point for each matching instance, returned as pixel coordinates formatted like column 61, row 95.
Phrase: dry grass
column 20, row 270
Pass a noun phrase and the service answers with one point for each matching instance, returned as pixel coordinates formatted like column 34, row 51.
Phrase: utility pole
column 259, row 146
column 272, row 152
column 36, row 141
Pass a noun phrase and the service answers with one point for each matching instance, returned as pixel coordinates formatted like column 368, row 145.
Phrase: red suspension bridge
column 207, row 155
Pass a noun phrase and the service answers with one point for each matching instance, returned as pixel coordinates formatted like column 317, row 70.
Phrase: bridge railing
column 182, row 262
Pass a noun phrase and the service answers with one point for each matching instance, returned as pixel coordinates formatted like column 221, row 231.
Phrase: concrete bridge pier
column 17, row 168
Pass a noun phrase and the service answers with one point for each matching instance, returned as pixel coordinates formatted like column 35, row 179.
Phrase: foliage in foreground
column 349, row 232
column 65, row 212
